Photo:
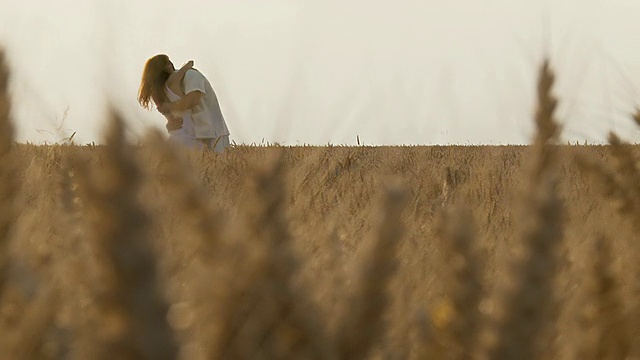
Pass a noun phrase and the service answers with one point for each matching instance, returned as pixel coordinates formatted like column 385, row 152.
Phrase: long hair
column 154, row 76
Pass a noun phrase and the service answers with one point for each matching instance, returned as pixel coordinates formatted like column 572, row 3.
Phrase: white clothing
column 208, row 121
column 218, row 144
column 184, row 136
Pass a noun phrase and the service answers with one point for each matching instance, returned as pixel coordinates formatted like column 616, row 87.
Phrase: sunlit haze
column 318, row 72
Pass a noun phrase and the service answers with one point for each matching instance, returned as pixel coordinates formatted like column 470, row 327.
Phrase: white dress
column 185, row 136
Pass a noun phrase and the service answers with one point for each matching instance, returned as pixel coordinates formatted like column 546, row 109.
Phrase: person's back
column 208, row 120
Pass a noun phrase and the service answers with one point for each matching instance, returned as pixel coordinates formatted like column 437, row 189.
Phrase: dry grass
column 445, row 252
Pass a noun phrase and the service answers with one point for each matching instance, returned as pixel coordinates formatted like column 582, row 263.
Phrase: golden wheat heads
column 265, row 313
column 464, row 282
column 605, row 326
column 238, row 287
column 133, row 309
column 8, row 178
column 524, row 330
column 363, row 322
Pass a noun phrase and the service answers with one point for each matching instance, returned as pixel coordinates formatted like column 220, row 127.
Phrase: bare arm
column 183, row 70
column 194, row 86
column 185, row 103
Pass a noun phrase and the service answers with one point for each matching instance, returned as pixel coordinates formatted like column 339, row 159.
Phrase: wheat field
column 429, row 252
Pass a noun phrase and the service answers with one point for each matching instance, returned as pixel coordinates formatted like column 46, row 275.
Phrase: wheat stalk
column 27, row 341
column 133, row 310
column 23, row 340
column 627, row 177
column 201, row 225
column 264, row 313
column 606, row 327
column 363, row 321
column 636, row 116
column 524, row 332
column 464, row 283
column 196, row 250
column 8, row 179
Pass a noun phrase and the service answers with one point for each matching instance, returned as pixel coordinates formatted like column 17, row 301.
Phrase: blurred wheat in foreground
column 443, row 252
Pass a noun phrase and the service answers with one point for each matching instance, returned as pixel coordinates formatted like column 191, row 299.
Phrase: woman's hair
column 153, row 81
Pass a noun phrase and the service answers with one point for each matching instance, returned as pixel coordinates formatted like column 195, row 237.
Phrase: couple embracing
column 186, row 98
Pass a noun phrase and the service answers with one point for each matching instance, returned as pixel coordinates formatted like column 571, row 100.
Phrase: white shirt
column 187, row 123
column 185, row 135
column 208, row 121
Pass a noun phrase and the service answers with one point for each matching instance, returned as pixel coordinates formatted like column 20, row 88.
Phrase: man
column 201, row 101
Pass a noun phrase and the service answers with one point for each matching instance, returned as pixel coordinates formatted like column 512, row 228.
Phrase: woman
column 161, row 84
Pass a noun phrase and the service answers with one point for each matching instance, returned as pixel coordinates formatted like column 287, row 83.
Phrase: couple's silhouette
column 187, row 100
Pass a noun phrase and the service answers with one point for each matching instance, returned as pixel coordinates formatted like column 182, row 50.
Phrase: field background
column 329, row 206
column 150, row 252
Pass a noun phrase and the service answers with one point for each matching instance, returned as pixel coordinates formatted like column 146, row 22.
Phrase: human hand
column 174, row 123
column 189, row 64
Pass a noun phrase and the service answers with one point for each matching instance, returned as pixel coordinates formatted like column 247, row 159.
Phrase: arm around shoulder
column 194, row 81
column 187, row 102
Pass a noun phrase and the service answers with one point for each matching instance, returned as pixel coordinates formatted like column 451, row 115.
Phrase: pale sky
column 327, row 71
